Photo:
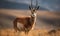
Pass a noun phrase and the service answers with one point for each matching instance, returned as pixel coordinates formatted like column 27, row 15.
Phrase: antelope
column 27, row 22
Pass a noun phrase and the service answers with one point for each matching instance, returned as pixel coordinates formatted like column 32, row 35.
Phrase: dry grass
column 11, row 32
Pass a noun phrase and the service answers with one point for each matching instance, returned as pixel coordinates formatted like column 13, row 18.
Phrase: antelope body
column 27, row 22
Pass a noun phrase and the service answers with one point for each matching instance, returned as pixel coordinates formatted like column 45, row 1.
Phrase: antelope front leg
column 15, row 27
column 33, row 26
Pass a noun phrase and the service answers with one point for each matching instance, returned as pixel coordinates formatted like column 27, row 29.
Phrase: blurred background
column 48, row 9
column 48, row 15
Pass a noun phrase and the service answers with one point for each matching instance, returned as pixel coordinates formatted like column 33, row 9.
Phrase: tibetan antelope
column 27, row 22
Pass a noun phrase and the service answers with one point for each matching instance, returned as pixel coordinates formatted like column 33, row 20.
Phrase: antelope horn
column 36, row 6
column 31, row 5
column 36, row 3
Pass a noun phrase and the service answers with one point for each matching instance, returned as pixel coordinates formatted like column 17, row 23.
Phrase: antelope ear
column 37, row 8
column 30, row 7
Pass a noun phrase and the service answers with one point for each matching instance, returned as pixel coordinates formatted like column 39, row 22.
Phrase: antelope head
column 34, row 9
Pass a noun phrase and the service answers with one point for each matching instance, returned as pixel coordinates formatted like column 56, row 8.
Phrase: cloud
column 20, row 1
column 23, row 1
column 51, row 5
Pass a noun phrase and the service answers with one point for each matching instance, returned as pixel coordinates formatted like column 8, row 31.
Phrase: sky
column 51, row 5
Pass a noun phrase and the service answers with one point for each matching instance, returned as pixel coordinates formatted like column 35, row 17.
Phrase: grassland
column 41, row 29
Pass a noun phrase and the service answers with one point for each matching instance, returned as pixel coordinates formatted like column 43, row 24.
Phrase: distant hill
column 12, row 5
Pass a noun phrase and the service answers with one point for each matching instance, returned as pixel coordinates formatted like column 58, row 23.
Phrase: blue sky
column 51, row 5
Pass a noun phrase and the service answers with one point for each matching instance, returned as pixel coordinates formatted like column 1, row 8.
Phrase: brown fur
column 26, row 23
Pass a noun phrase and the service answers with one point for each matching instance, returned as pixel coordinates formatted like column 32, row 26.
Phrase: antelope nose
column 33, row 10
